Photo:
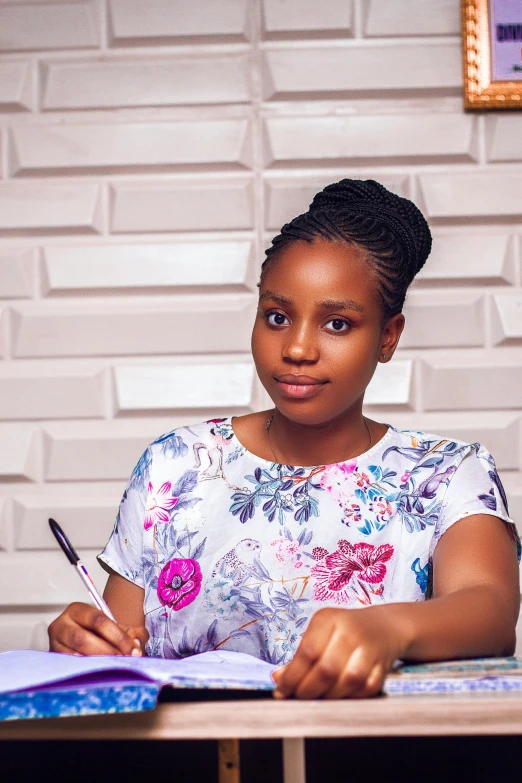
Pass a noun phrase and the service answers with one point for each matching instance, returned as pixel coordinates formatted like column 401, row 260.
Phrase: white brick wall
column 148, row 150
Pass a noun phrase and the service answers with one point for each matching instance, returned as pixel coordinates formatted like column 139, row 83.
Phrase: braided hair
column 391, row 230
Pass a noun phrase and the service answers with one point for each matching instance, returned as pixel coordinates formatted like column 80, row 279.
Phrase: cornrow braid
column 391, row 230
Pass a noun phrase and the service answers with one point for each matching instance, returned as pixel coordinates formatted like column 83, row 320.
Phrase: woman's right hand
column 82, row 629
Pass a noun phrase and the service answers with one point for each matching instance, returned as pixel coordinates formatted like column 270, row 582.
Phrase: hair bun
column 391, row 229
column 367, row 198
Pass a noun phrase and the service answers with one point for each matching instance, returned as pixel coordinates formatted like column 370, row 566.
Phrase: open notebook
column 40, row 684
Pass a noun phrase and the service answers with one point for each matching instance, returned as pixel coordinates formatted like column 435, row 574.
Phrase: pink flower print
column 331, row 578
column 277, row 545
column 362, row 480
column 383, row 509
column 284, row 547
column 341, row 564
column 334, row 572
column 334, row 479
column 371, row 561
column 318, row 552
column 179, row 583
column 158, row 505
column 322, row 588
column 405, row 477
column 352, row 513
column 286, row 550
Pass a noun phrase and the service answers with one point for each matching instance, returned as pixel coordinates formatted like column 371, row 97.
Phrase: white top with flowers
column 237, row 553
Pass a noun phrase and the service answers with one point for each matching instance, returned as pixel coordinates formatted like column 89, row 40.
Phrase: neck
column 337, row 440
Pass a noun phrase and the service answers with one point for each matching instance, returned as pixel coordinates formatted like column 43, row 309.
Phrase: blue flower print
column 282, row 489
column 421, row 574
column 139, row 475
column 172, row 445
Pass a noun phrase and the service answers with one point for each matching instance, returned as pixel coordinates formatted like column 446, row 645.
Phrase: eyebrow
column 342, row 304
column 275, row 297
column 327, row 304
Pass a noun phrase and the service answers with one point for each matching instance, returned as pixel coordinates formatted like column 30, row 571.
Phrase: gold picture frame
column 483, row 53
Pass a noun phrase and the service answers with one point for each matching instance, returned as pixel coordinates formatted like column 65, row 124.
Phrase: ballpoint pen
column 74, row 559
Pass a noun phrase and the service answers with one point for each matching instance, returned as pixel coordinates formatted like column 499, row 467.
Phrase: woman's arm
column 476, row 596
column 84, row 630
column 473, row 613
column 125, row 600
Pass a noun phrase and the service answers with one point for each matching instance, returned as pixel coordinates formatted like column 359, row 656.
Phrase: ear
column 390, row 337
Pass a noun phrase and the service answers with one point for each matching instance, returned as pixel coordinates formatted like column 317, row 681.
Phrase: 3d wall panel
column 148, row 152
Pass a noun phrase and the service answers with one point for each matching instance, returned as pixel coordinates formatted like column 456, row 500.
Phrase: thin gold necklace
column 269, row 424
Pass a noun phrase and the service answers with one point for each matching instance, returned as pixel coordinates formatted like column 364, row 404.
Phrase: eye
column 338, row 325
column 276, row 319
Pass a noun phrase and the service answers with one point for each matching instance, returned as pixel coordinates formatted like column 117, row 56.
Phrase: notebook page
column 24, row 669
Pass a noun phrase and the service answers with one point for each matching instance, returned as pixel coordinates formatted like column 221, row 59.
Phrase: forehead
column 323, row 270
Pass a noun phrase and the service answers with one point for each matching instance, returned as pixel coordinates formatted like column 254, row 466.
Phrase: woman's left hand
column 343, row 653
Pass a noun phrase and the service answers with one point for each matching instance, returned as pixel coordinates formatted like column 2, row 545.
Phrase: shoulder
column 177, row 442
column 422, row 443
column 426, row 449
column 179, row 446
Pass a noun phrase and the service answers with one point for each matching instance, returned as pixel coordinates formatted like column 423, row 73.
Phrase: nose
column 300, row 346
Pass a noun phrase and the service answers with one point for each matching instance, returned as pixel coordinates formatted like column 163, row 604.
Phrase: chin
column 302, row 413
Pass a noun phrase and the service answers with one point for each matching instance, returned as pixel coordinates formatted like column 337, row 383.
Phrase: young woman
column 310, row 535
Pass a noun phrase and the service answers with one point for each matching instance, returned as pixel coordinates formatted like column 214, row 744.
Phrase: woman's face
column 318, row 333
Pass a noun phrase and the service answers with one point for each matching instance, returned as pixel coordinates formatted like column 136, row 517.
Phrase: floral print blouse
column 237, row 553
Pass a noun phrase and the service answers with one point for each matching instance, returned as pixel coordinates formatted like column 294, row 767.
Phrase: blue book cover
column 85, row 696
column 477, row 675
column 47, row 685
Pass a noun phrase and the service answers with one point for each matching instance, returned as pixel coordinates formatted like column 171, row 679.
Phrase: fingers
column 333, row 671
column 353, row 677
column 85, row 630
column 343, row 654
column 331, row 674
column 360, row 679
column 76, row 640
column 66, row 650
column 375, row 682
column 139, row 632
column 322, row 675
column 140, row 635
column 312, row 645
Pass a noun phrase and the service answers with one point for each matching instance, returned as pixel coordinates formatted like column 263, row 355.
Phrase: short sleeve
column 124, row 550
column 475, row 488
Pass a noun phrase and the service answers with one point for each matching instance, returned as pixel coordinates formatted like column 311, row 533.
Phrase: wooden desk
column 292, row 721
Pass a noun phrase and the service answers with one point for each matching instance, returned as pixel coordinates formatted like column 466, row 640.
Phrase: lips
column 299, row 386
column 298, row 380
